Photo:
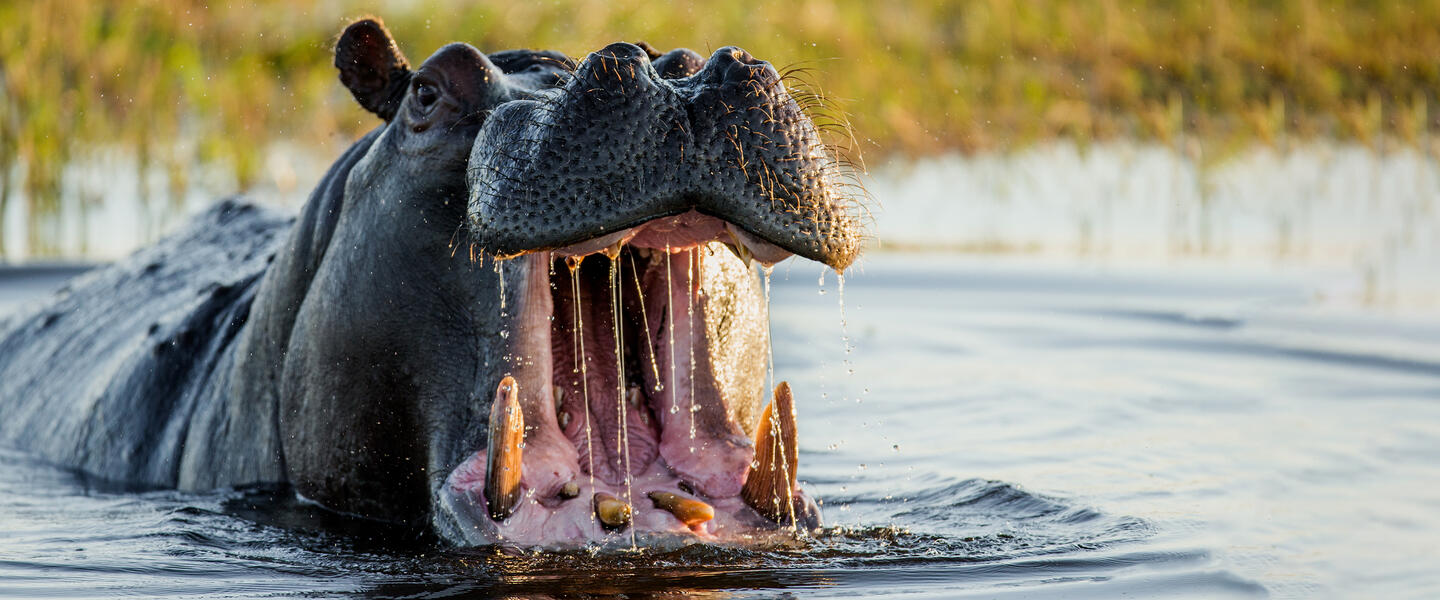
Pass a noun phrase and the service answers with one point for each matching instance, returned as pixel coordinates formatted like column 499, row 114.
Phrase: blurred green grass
column 181, row 83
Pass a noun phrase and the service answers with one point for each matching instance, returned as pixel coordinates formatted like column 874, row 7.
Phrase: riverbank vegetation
column 181, row 83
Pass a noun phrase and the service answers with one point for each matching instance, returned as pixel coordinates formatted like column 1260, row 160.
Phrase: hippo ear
column 372, row 66
column 649, row 50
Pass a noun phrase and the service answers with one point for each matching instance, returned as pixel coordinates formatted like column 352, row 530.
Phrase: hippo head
column 432, row 112
column 624, row 209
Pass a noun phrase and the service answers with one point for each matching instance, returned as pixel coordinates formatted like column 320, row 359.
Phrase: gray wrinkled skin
column 619, row 145
column 353, row 351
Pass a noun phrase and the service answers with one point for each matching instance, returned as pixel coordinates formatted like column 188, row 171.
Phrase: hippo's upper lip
column 618, row 146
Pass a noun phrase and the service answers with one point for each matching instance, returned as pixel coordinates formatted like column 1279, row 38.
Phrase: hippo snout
column 620, row 146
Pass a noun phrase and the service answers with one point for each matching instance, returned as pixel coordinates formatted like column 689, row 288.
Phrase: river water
column 1028, row 423
column 1011, row 428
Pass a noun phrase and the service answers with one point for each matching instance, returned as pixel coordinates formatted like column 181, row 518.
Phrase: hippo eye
column 426, row 93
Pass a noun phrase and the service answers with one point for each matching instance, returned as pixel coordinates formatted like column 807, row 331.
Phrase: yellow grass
column 184, row 83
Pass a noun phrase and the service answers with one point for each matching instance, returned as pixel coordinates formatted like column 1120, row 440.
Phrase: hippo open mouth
column 626, row 208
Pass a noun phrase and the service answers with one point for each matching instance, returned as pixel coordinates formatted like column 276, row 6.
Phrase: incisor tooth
column 689, row 511
column 613, row 514
column 770, row 485
column 504, row 456
column 739, row 248
column 613, row 251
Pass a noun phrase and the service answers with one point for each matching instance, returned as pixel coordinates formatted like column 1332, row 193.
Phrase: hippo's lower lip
column 635, row 413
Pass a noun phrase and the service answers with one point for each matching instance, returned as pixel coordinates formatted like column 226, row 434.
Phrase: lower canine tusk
column 689, row 511
column 503, row 459
column 770, row 485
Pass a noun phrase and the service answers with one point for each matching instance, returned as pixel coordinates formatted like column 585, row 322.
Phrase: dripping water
column 774, row 417
column 500, row 272
column 616, row 293
column 844, row 327
column 645, row 319
column 769, row 345
column 690, row 272
column 581, row 365
column 670, row 331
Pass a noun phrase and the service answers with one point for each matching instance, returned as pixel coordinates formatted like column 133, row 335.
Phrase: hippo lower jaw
column 647, row 446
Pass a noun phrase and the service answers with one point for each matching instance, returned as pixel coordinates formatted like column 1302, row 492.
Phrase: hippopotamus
column 525, row 309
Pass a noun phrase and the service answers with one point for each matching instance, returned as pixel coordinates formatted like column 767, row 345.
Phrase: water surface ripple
column 1002, row 428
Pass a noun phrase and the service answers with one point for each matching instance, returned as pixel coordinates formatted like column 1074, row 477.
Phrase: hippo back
column 106, row 375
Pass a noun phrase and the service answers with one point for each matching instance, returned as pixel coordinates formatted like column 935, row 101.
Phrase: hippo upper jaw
column 618, row 147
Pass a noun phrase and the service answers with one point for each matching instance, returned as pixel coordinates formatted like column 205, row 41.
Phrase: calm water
column 1011, row 428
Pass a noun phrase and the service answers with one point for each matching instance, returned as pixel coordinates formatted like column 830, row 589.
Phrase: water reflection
column 1370, row 217
column 1367, row 215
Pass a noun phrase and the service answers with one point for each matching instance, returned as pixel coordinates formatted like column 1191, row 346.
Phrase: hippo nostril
column 733, row 65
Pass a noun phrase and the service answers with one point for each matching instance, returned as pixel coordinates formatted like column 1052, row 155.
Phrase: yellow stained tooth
column 689, row 511
column 739, row 248
column 504, row 456
column 770, row 484
column 613, row 252
column 613, row 514
column 570, row 490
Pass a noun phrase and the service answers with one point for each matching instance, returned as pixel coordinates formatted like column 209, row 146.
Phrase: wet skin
column 419, row 323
